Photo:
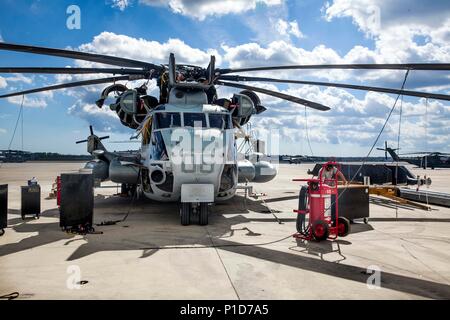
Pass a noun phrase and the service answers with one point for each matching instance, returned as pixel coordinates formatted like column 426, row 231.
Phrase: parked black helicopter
column 422, row 159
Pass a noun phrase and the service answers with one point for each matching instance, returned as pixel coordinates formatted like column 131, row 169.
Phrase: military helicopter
column 421, row 159
column 188, row 135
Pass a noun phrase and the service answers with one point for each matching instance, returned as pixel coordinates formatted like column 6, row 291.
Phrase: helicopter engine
column 131, row 106
column 243, row 106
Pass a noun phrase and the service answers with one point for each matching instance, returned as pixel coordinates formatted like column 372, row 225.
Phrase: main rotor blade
column 100, row 58
column 70, row 85
column 407, row 66
column 71, row 70
column 125, row 141
column 419, row 152
column 280, row 95
column 341, row 85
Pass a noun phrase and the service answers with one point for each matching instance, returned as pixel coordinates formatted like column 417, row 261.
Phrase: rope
column 17, row 122
column 133, row 199
column 266, row 205
column 306, row 132
column 382, row 128
column 218, row 245
column 22, row 120
column 374, row 143
column 426, row 143
column 398, row 149
column 10, row 296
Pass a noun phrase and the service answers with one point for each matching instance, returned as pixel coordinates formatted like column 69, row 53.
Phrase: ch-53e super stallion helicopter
column 188, row 152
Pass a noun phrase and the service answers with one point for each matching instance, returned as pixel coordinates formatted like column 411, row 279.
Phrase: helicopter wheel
column 203, row 217
column 185, row 213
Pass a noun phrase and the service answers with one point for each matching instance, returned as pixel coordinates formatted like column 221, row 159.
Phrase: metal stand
column 248, row 190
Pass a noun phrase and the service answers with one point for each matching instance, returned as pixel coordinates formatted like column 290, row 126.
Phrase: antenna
column 385, row 149
column 172, row 71
column 211, row 70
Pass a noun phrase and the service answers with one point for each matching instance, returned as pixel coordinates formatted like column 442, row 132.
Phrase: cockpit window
column 194, row 119
column 167, row 120
column 219, row 121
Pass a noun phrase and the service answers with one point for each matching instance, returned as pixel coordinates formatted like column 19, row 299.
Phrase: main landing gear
column 194, row 212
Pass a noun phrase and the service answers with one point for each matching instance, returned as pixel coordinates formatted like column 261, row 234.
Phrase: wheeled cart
column 318, row 211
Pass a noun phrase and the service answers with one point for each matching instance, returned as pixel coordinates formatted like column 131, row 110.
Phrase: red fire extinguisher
column 318, row 203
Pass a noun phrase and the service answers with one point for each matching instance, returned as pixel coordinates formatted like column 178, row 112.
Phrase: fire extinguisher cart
column 318, row 214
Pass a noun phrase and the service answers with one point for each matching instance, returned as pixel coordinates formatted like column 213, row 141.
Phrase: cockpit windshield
column 194, row 120
column 219, row 121
column 167, row 120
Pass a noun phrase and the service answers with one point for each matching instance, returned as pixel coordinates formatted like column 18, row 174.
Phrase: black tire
column 185, row 213
column 23, row 217
column 2, row 232
column 203, row 215
column 320, row 230
column 344, row 227
column 302, row 205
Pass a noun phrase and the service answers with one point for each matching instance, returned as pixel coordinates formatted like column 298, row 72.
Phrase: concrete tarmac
column 246, row 251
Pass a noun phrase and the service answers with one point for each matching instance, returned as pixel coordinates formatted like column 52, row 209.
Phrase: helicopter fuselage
column 188, row 149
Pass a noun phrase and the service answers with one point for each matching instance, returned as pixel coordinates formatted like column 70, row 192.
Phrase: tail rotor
column 93, row 141
column 387, row 150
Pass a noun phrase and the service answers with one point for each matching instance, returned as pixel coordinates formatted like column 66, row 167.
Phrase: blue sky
column 239, row 33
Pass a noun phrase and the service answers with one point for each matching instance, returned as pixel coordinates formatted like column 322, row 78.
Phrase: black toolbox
column 353, row 203
column 3, row 208
column 31, row 200
column 77, row 200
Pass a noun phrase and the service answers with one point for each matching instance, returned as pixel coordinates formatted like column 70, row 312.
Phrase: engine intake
column 245, row 104
column 132, row 105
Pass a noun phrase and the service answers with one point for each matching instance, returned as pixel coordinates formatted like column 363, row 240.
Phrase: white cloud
column 36, row 100
column 295, row 29
column 200, row 9
column 103, row 120
column 147, row 50
column 15, row 78
column 18, row 77
column 3, row 83
column 278, row 53
column 286, row 28
column 357, row 120
column 396, row 25
column 375, row 17
column 2, row 131
column 121, row 4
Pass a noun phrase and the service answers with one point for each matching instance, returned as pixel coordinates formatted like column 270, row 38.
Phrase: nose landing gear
column 189, row 211
column 185, row 213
